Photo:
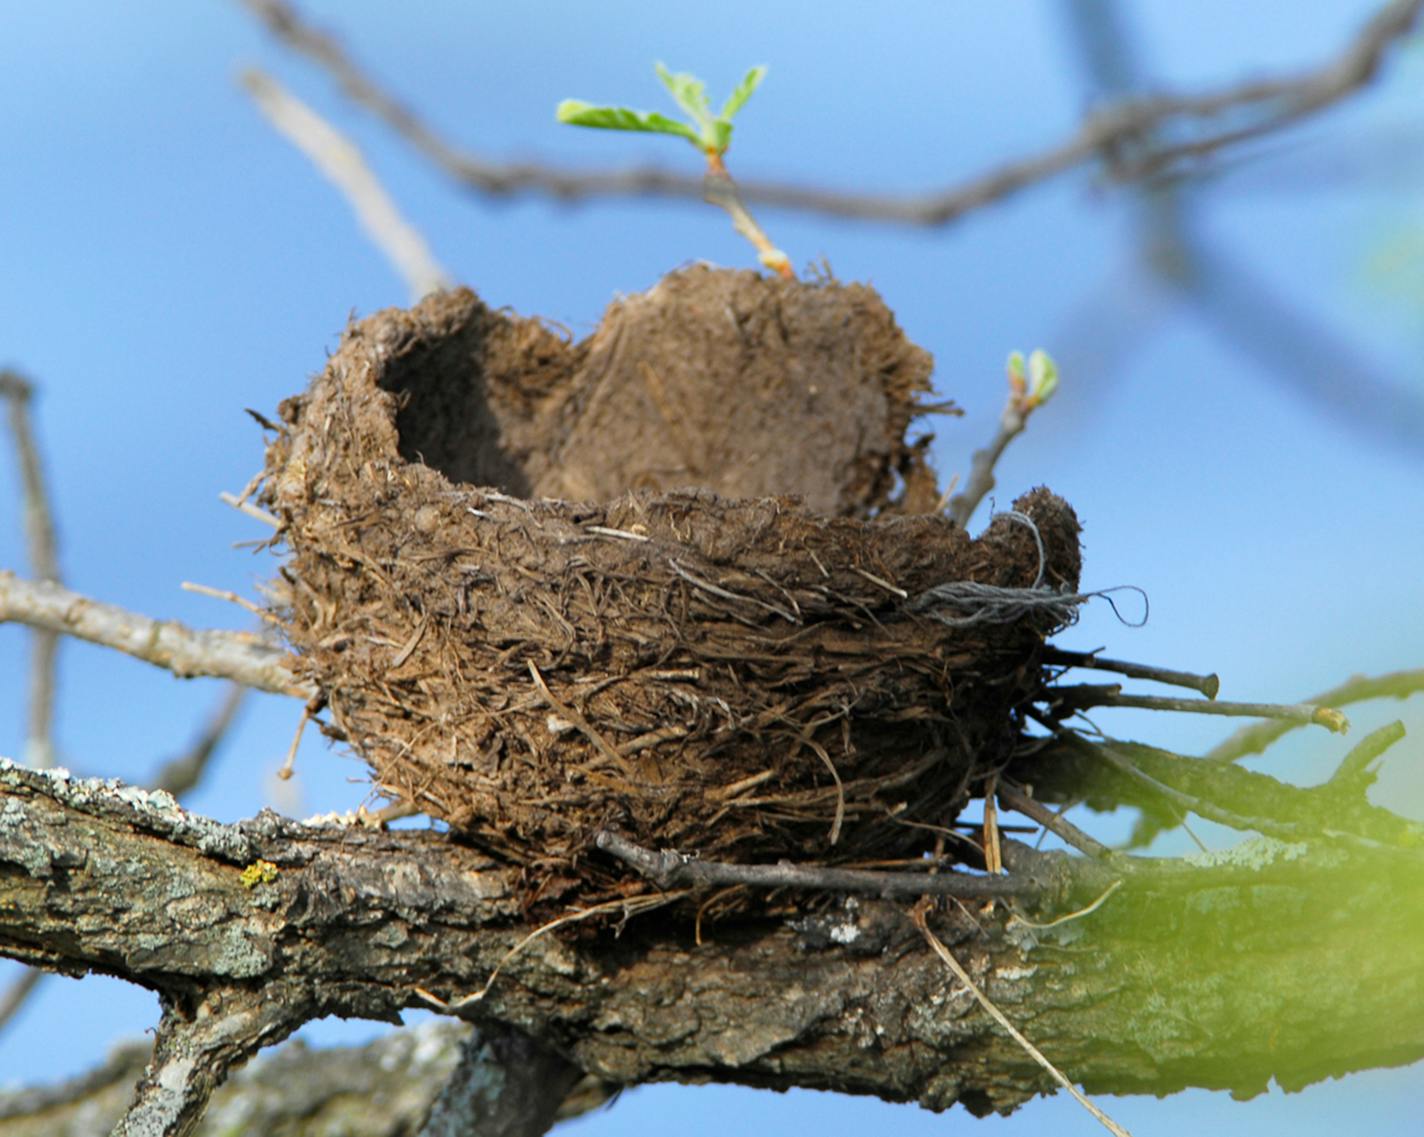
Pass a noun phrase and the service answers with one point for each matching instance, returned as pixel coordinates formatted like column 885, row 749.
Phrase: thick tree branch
column 1190, row 974
column 506, row 1085
column 1269, row 104
column 196, row 1048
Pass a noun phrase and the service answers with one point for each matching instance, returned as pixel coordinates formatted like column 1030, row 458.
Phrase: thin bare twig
column 338, row 158
column 1301, row 714
column 1017, row 800
column 1255, row 738
column 44, row 565
column 1208, row 685
column 1296, row 348
column 239, row 656
column 18, row 993
column 179, row 775
column 1278, row 102
column 670, row 869
column 1012, row 421
column 242, row 505
column 230, row 596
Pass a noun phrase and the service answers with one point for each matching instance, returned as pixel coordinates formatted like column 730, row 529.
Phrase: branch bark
column 238, row 656
column 1205, row 973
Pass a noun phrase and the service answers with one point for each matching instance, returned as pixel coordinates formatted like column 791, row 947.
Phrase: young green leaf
column 1043, row 376
column 690, row 93
column 1015, row 368
column 575, row 112
column 750, row 82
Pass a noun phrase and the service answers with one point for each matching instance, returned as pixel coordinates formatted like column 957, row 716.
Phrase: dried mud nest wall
column 724, row 670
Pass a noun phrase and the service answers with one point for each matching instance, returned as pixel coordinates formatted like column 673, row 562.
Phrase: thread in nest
column 992, row 604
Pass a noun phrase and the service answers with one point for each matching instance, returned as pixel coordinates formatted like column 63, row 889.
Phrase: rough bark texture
column 1288, row 961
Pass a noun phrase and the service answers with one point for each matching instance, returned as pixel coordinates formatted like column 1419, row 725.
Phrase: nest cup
column 723, row 670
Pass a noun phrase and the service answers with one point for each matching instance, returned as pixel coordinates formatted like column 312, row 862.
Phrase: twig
column 18, row 993
column 719, row 189
column 284, row 772
column 242, row 505
column 1301, row 714
column 918, row 916
column 1353, row 769
column 1241, row 306
column 238, row 656
column 1208, row 685
column 179, row 775
column 44, row 565
column 1204, row 807
column 1020, row 802
column 1285, row 100
column 670, row 869
column 339, row 159
column 1067, row 917
column 1254, row 739
column 981, row 469
column 228, row 595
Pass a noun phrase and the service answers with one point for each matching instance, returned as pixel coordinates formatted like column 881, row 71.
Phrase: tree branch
column 506, row 1085
column 669, row 869
column 338, row 158
column 1276, row 102
column 44, row 564
column 1255, row 738
column 1191, row 974
column 382, row 1089
column 168, row 644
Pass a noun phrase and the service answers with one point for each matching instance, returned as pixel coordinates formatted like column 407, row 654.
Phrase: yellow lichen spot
column 259, row 872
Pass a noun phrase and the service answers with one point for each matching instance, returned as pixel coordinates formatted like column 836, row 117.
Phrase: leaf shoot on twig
column 710, row 134
column 1030, row 386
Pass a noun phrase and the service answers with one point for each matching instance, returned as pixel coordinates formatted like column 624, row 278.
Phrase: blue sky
column 166, row 261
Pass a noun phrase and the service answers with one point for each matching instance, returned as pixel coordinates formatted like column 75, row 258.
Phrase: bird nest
column 723, row 670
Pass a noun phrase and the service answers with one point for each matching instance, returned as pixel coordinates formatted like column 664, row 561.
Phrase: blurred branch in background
column 43, row 548
column 1273, row 103
column 1150, row 142
column 1255, row 738
column 177, row 776
column 44, row 565
column 1241, row 307
column 341, row 162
